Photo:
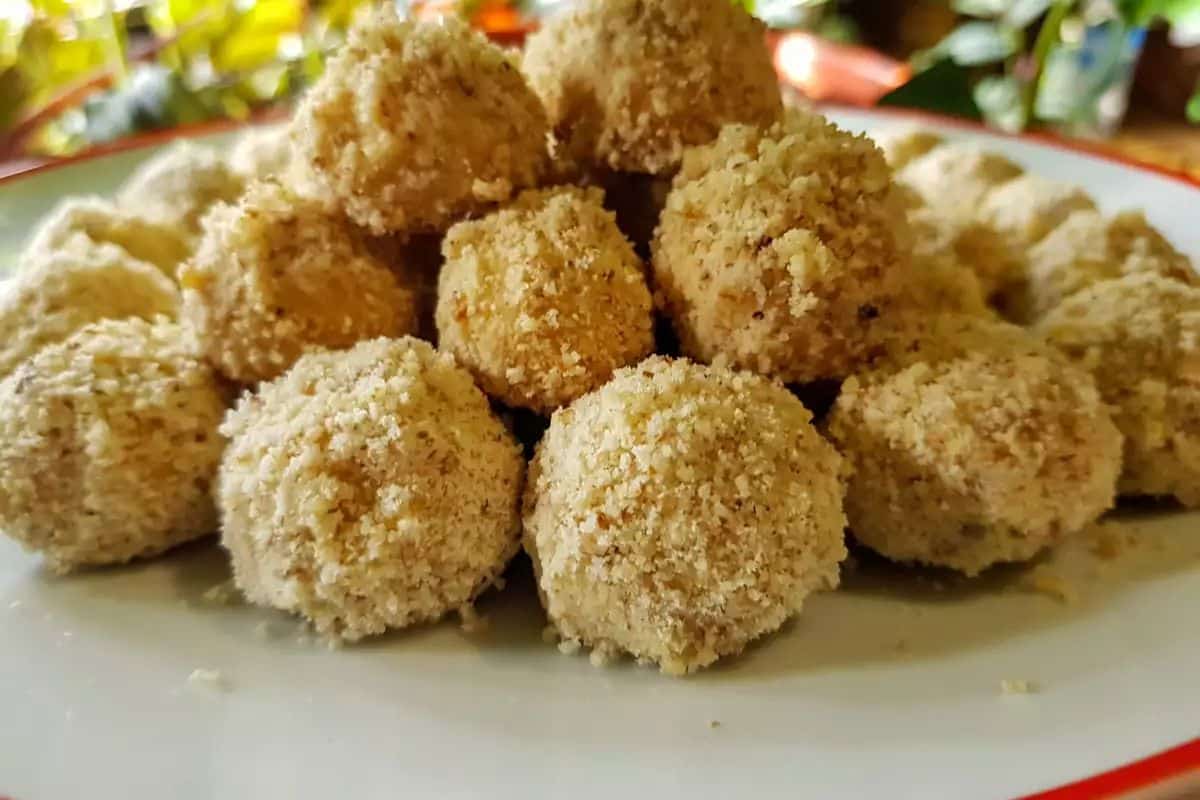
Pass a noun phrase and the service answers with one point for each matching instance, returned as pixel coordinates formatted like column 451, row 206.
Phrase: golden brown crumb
column 973, row 448
column 369, row 489
column 680, row 511
column 276, row 276
column 67, row 289
column 900, row 146
column 1043, row 580
column 629, row 84
column 1017, row 686
column 1088, row 248
column 1139, row 336
column 177, row 187
column 543, row 299
column 777, row 249
column 415, row 125
column 108, row 445
column 1029, row 206
column 79, row 222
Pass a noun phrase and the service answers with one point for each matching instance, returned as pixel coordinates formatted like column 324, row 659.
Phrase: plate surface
column 891, row 687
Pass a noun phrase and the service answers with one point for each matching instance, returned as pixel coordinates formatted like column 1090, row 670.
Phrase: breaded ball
column 778, row 250
column 413, row 125
column 276, row 276
column 903, row 145
column 262, row 152
column 178, row 186
column 939, row 283
column 64, row 290
column 77, row 222
column 369, row 489
column 1029, row 206
column 1088, row 248
column 629, row 84
column 543, row 300
column 1139, row 335
column 680, row 512
column 109, row 445
column 997, row 260
column 955, row 176
column 965, row 455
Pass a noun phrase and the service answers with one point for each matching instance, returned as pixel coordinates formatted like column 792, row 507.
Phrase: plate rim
column 1181, row 761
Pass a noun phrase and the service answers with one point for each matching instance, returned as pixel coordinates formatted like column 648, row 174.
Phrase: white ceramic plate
column 891, row 687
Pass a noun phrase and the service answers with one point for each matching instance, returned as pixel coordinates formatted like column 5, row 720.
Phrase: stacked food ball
column 676, row 508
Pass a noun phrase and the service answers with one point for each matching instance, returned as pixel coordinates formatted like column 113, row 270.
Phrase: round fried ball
column 369, row 489
column 63, row 290
column 543, row 300
column 679, row 512
column 413, row 126
column 967, row 452
column 901, row 146
column 1029, row 206
column 262, row 152
column 109, row 445
column 939, row 283
column 955, row 177
column 1088, row 248
column 178, row 186
column 276, row 276
column 778, row 249
column 629, row 84
column 1139, row 335
column 77, row 222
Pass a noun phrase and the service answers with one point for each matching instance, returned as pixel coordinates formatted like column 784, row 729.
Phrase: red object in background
column 832, row 72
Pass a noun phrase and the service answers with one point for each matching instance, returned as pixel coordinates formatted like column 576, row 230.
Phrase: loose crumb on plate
column 569, row 647
column 1045, row 581
column 208, row 679
column 470, row 620
column 714, row 723
column 221, row 594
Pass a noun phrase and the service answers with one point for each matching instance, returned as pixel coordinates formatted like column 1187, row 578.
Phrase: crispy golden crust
column 629, row 84
column 369, row 489
column 108, row 445
column 177, row 187
column 778, row 249
column 61, row 291
column 974, row 449
column 415, row 125
column 276, row 276
column 900, row 146
column 544, row 299
column 1088, row 248
column 262, row 152
column 1139, row 335
column 77, row 222
column 680, row 512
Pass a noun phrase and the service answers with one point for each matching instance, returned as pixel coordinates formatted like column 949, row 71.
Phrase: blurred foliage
column 1065, row 63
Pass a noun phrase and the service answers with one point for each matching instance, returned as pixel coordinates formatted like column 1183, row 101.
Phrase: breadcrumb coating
column 87, row 220
column 262, row 152
column 276, row 276
column 414, row 126
column 1029, row 206
column 966, row 453
column 901, row 146
column 1088, row 248
column 542, row 300
column 939, row 283
column 630, row 84
column 369, row 489
column 997, row 260
column 778, row 249
column 178, row 186
column 62, row 291
column 109, row 445
column 1139, row 335
column 679, row 512
column 955, row 176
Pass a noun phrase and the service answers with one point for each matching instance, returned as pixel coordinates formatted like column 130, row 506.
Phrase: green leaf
column 999, row 98
column 944, row 87
column 1193, row 108
column 984, row 9
column 977, row 43
column 1022, row 13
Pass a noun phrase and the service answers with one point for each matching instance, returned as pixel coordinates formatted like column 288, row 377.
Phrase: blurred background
column 77, row 74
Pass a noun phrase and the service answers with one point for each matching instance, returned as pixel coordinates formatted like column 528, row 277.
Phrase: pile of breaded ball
column 617, row 253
